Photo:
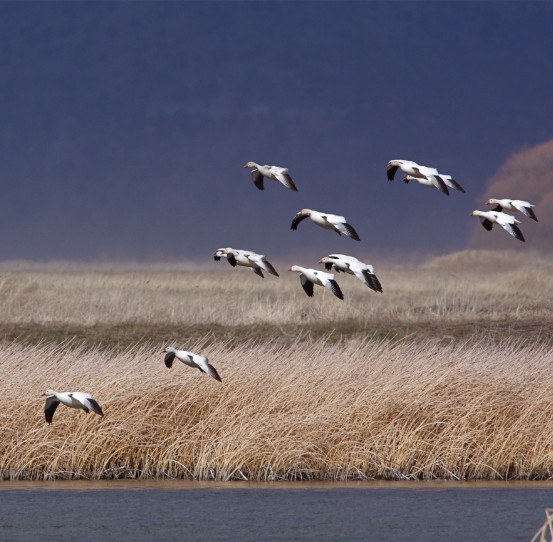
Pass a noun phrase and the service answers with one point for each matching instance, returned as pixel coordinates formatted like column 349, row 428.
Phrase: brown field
column 445, row 375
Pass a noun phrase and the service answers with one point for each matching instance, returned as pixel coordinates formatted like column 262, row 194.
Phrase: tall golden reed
column 355, row 409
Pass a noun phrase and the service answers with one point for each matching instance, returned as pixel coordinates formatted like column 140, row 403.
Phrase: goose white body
column 513, row 205
column 424, row 175
column 349, row 264
column 246, row 258
column 273, row 173
column 192, row 360
column 507, row 222
column 327, row 221
column 71, row 399
column 309, row 277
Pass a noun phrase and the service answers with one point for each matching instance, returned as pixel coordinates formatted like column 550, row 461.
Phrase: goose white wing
column 509, row 224
column 282, row 175
column 261, row 261
column 88, row 402
column 334, row 219
column 525, row 208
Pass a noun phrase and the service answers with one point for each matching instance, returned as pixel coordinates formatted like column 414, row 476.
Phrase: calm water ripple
column 254, row 512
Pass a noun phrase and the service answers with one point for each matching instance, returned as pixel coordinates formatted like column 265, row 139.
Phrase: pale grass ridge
column 310, row 410
column 464, row 287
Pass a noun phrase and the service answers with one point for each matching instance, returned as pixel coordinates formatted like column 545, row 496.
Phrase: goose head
column 250, row 164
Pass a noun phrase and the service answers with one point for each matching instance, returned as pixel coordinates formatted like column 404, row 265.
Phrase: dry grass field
column 447, row 374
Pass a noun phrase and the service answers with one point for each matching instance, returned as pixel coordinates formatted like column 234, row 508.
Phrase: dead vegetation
column 444, row 376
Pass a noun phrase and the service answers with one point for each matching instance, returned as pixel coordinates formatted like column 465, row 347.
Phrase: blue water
column 255, row 512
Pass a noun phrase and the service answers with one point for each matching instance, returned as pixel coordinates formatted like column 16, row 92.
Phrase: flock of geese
column 426, row 176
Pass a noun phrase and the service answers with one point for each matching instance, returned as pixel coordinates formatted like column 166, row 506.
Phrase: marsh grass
column 456, row 295
column 446, row 375
column 354, row 409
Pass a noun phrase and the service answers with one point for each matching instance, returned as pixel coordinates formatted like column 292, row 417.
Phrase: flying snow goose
column 513, row 205
column 246, row 258
column 353, row 266
column 274, row 173
column 507, row 222
column 309, row 277
column 327, row 221
column 73, row 399
column 447, row 179
column 192, row 360
column 427, row 176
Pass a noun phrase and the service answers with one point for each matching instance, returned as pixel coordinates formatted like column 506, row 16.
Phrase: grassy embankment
column 445, row 375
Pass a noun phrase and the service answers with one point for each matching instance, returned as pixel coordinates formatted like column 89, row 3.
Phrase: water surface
column 412, row 511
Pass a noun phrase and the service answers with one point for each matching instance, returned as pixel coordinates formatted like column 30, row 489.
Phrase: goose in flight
column 447, row 179
column 327, row 221
column 427, row 176
column 246, row 258
column 192, row 360
column 73, row 399
column 353, row 266
column 507, row 222
column 274, row 173
column 513, row 205
column 309, row 277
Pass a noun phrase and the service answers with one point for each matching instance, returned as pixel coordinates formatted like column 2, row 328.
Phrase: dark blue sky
column 125, row 126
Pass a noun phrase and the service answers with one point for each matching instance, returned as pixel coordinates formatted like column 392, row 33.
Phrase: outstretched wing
column 169, row 358
column 258, row 271
column 438, row 182
column 257, row 179
column 269, row 268
column 211, row 371
column 296, row 220
column 497, row 207
column 285, row 179
column 347, row 229
column 525, row 210
column 306, row 284
column 335, row 289
column 456, row 185
column 231, row 259
column 262, row 262
column 94, row 406
column 391, row 171
column 371, row 281
column 513, row 229
column 49, row 408
column 488, row 224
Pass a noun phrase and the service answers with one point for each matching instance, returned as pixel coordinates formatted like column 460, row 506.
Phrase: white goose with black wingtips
column 72, row 399
column 426, row 176
column 273, row 173
column 326, row 221
column 513, row 205
column 192, row 360
column 349, row 264
column 507, row 222
column 309, row 277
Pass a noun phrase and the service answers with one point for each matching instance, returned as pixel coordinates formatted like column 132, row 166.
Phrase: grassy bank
column 310, row 410
column 460, row 296
column 444, row 375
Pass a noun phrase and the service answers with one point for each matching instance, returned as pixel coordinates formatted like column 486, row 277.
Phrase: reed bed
column 353, row 409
